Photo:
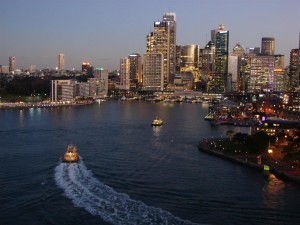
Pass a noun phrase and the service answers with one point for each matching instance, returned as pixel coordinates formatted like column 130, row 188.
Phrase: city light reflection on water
column 273, row 191
column 160, row 166
column 21, row 117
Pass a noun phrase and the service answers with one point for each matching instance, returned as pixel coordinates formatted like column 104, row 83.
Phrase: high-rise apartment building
column 163, row 41
column 268, row 46
column 233, row 71
column 12, row 63
column 87, row 69
column 294, row 69
column 213, row 34
column 135, row 68
column 153, row 71
column 208, row 61
column 219, row 80
column 261, row 78
column 299, row 60
column 125, row 73
column 279, row 74
column 150, row 43
column 61, row 61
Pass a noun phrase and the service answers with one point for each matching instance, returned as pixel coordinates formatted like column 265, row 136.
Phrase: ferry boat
column 71, row 154
column 157, row 122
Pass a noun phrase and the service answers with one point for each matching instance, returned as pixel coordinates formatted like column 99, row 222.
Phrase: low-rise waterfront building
column 68, row 90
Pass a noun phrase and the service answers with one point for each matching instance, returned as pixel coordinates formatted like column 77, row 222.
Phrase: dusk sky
column 103, row 31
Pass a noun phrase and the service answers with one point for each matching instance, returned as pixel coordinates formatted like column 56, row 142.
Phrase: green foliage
column 256, row 143
column 28, row 85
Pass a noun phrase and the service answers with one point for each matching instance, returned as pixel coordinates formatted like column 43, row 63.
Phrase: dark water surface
column 129, row 172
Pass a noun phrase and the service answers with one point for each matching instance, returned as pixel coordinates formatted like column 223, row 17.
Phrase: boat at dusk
column 71, row 155
column 157, row 122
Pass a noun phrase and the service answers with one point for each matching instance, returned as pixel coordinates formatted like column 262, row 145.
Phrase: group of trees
column 259, row 142
column 24, row 86
column 256, row 143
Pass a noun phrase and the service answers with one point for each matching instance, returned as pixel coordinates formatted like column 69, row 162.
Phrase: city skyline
column 36, row 32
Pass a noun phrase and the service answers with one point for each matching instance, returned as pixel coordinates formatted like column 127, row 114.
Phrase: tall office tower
column 153, row 72
column 213, row 34
column 177, row 59
column 12, row 63
column 87, row 69
column 61, row 61
column 219, row 80
column 150, row 42
column 125, row 73
column 164, row 41
column 233, row 71
column 293, row 74
column 208, row 61
column 135, row 69
column 237, row 79
column 261, row 78
column 268, row 46
column 299, row 60
column 189, row 60
column 101, row 81
column 279, row 72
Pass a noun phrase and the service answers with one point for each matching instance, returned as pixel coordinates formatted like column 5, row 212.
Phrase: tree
column 230, row 134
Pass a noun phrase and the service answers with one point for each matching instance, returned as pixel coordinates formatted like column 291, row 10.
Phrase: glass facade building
column 220, row 78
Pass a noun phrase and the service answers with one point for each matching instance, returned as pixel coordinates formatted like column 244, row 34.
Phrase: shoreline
column 20, row 106
column 204, row 147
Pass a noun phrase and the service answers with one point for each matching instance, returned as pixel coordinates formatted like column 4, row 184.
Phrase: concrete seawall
column 203, row 146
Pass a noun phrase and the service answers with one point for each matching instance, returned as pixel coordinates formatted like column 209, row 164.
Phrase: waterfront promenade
column 46, row 104
column 282, row 169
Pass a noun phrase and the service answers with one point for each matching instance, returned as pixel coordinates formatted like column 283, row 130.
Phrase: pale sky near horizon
column 103, row 31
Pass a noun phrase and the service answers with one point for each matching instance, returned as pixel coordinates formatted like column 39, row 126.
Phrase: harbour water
column 130, row 172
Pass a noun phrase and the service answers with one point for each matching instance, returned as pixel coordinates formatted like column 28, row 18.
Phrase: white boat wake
column 87, row 192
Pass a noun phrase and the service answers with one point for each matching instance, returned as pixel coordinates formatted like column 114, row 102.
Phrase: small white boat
column 157, row 122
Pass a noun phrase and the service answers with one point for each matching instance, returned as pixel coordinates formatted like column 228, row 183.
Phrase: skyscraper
column 125, row 73
column 213, row 34
column 12, row 63
column 61, row 61
column 135, row 68
column 87, row 69
column 153, row 78
column 220, row 77
column 293, row 74
column 150, row 42
column 189, row 60
column 268, row 46
column 261, row 78
column 208, row 61
column 164, row 41
column 279, row 74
